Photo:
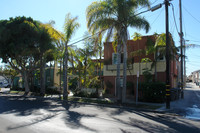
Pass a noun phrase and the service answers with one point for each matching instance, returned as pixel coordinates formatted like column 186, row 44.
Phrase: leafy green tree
column 116, row 16
column 97, row 41
column 87, row 53
column 22, row 40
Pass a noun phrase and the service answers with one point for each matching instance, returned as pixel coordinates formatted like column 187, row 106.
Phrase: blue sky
column 46, row 10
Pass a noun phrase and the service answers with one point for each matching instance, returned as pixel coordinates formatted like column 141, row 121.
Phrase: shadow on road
column 149, row 121
column 22, row 106
column 158, row 123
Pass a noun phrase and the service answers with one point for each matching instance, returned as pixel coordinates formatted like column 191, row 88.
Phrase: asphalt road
column 38, row 115
column 190, row 102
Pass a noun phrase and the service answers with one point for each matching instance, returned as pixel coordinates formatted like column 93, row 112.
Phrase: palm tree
column 87, row 52
column 98, row 49
column 70, row 27
column 116, row 16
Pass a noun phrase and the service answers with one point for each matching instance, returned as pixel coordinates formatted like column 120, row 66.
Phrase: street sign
column 138, row 74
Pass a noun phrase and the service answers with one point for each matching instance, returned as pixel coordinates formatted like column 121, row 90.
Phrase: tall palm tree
column 98, row 49
column 87, row 52
column 116, row 16
column 70, row 26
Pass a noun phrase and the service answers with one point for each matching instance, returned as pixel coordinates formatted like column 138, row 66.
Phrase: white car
column 4, row 85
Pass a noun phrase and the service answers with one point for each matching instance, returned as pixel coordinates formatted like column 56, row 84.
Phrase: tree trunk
column 118, row 87
column 42, row 76
column 101, row 83
column 26, row 85
column 65, row 64
column 79, row 83
column 156, row 65
column 124, row 41
column 85, row 71
column 60, row 74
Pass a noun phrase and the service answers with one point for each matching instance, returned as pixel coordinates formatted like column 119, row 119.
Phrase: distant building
column 195, row 77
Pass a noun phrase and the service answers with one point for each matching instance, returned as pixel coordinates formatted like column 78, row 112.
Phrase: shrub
column 35, row 89
column 93, row 95
column 153, row 92
column 17, row 89
column 81, row 94
column 52, row 91
column 73, row 83
column 130, row 86
column 95, row 83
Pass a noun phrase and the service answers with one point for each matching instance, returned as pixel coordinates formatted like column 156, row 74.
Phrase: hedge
column 152, row 92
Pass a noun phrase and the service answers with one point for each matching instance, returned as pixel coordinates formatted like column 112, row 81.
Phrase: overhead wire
column 102, row 30
column 86, row 37
column 191, row 14
column 79, row 39
column 145, row 6
column 157, row 16
column 105, row 29
column 175, row 19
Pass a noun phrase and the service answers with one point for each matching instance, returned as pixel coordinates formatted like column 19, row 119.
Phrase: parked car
column 4, row 85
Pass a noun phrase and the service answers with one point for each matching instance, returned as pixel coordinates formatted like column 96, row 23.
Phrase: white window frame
column 158, row 53
column 114, row 58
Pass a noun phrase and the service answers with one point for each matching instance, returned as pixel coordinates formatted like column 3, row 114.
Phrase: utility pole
column 181, row 43
column 184, row 65
column 167, row 57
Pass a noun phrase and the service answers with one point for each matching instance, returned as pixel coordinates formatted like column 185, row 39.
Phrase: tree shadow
column 160, row 123
column 73, row 119
column 23, row 106
column 33, row 121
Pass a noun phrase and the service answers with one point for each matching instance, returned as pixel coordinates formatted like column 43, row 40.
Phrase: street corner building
column 137, row 52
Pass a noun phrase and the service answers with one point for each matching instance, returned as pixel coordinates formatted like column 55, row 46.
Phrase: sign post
column 137, row 88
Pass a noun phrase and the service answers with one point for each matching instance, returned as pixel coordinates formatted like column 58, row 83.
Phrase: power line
column 103, row 30
column 175, row 19
column 194, row 41
column 157, row 16
column 79, row 39
column 194, row 55
column 184, row 26
column 86, row 37
column 145, row 6
column 193, row 64
column 192, row 37
column 191, row 15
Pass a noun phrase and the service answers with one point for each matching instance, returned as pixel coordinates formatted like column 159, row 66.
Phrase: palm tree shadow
column 33, row 121
column 73, row 119
column 169, row 123
column 21, row 106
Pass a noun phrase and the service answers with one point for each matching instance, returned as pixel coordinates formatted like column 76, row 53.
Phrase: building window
column 160, row 56
column 114, row 58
